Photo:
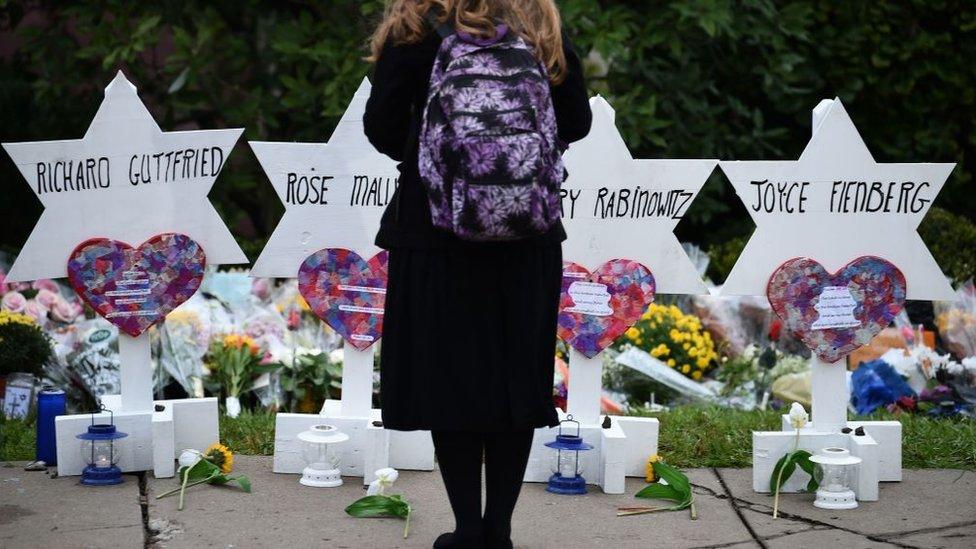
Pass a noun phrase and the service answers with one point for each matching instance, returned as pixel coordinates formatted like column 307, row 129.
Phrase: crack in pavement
column 735, row 507
column 147, row 533
column 930, row 529
column 880, row 538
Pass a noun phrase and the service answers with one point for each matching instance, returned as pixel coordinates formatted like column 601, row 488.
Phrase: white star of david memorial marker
column 126, row 180
column 835, row 204
column 618, row 207
column 334, row 195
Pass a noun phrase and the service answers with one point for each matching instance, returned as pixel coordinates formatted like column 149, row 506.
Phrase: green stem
column 694, row 511
column 175, row 490
column 779, row 477
column 406, row 527
column 186, row 477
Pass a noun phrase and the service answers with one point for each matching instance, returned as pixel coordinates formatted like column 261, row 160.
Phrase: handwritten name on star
column 625, row 203
column 359, row 190
column 841, row 197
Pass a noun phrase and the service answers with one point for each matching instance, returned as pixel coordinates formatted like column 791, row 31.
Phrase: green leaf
column 674, row 478
column 378, row 506
column 241, row 480
column 200, row 469
column 660, row 491
column 802, row 458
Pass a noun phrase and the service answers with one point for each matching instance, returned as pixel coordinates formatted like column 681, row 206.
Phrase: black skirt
column 469, row 337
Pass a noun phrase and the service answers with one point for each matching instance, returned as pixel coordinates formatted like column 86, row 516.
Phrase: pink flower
column 261, row 288
column 65, row 311
column 36, row 310
column 294, row 319
column 14, row 302
column 47, row 298
column 3, row 282
column 46, row 284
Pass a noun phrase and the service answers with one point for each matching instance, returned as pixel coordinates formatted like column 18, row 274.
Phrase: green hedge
column 691, row 78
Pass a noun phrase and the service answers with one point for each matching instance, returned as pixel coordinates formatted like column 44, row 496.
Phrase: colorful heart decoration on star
column 346, row 292
column 834, row 314
column 596, row 308
column 135, row 288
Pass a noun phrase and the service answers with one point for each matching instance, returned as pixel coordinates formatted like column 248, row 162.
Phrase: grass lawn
column 691, row 436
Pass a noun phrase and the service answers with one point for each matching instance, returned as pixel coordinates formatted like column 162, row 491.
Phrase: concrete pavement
column 931, row 508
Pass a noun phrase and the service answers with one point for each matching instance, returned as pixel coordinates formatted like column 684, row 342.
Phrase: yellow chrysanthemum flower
column 649, row 467
column 671, row 362
column 696, row 375
column 632, row 333
column 685, row 368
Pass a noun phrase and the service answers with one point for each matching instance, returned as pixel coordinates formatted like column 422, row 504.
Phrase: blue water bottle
column 50, row 404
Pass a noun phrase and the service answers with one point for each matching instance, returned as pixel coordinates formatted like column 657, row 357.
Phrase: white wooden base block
column 155, row 443
column 136, row 450
column 641, row 442
column 409, row 450
column 888, row 436
column 618, row 452
column 367, row 449
column 769, row 446
column 164, row 443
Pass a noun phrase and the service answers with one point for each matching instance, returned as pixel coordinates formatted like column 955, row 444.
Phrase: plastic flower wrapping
column 182, row 342
column 956, row 321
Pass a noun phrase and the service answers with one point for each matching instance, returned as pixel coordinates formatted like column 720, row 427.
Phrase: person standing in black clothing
column 469, row 327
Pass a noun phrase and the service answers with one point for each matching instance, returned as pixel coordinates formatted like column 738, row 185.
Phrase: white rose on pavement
column 385, row 478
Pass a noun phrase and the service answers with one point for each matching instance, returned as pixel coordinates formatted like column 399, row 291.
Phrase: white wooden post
column 585, row 382
column 357, row 381
column 135, row 365
column 829, row 383
column 830, row 394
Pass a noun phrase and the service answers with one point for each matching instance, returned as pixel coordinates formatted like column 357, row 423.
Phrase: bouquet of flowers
column 183, row 341
column 42, row 300
column 233, row 362
column 675, row 338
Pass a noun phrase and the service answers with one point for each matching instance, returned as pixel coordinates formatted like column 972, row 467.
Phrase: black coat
column 469, row 328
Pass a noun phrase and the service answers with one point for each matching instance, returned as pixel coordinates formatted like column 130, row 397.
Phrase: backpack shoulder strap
column 443, row 29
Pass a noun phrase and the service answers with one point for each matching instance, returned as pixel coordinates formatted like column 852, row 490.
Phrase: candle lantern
column 100, row 448
column 566, row 477
column 322, row 463
column 836, row 471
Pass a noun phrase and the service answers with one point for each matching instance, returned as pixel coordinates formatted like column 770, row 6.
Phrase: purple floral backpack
column 489, row 156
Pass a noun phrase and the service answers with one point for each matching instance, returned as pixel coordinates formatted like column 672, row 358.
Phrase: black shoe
column 451, row 541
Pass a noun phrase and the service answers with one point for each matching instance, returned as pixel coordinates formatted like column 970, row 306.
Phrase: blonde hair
column 536, row 21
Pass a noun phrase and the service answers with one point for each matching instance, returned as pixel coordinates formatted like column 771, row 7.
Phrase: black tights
column 459, row 455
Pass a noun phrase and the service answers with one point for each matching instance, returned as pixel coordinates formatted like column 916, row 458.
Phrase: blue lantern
column 566, row 477
column 100, row 450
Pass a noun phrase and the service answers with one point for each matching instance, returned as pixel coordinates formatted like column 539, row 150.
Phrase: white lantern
column 322, row 463
column 836, row 471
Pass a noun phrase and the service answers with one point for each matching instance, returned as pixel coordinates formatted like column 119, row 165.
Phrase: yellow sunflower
column 221, row 456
